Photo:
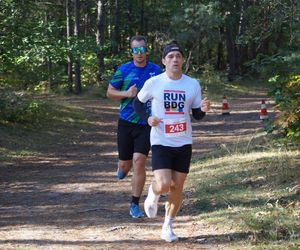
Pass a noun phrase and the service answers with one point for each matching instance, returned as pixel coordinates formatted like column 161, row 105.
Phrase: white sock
column 152, row 196
column 168, row 221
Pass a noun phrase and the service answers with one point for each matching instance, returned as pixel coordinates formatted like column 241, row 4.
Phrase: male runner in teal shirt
column 133, row 131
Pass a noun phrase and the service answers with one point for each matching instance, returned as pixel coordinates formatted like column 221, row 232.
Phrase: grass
column 254, row 191
column 215, row 85
column 250, row 191
column 58, row 127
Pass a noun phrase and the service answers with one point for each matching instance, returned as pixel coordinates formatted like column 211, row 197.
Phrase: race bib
column 174, row 128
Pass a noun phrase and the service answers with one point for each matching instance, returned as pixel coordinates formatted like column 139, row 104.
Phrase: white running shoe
column 168, row 235
column 151, row 203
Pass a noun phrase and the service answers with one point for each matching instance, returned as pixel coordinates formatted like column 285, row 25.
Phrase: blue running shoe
column 120, row 174
column 135, row 211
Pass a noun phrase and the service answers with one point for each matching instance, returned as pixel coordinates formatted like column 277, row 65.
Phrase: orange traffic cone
column 263, row 111
column 225, row 106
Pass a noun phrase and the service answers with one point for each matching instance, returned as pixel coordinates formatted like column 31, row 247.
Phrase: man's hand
column 153, row 121
column 131, row 92
column 205, row 105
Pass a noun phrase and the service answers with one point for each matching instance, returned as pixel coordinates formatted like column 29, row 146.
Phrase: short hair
column 138, row 38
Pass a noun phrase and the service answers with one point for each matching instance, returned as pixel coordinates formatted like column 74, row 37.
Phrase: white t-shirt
column 172, row 101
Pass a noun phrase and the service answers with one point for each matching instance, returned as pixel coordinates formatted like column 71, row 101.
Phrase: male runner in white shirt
column 173, row 95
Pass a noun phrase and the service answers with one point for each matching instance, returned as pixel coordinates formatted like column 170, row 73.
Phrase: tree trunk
column 86, row 24
column 209, row 53
column 243, row 57
column 231, row 57
column 116, row 40
column 50, row 72
column 100, row 38
column 69, row 58
column 130, row 17
column 253, row 50
column 242, row 48
column 220, row 56
column 77, row 60
column 49, row 61
column 187, row 64
column 142, row 17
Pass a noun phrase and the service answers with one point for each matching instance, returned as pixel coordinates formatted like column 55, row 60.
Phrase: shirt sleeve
column 117, row 79
column 145, row 93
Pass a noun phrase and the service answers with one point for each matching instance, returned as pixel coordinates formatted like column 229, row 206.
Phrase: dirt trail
column 70, row 198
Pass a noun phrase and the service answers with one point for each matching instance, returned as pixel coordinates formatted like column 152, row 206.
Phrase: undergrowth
column 21, row 107
column 251, row 188
column 52, row 124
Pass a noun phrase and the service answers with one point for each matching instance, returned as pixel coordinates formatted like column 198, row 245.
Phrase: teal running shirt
column 127, row 75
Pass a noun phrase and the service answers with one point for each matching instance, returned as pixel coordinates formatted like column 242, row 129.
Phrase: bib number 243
column 177, row 128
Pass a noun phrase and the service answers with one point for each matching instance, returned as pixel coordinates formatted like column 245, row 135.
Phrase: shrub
column 286, row 91
column 20, row 108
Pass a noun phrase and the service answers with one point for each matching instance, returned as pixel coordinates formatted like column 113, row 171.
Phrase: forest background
column 56, row 49
column 69, row 46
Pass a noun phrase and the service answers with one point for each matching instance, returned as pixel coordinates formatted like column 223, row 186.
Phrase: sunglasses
column 136, row 50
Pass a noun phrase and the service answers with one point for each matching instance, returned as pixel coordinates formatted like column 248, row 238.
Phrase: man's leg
column 160, row 184
column 173, row 205
column 139, row 174
column 137, row 183
column 125, row 151
column 141, row 137
column 162, row 181
column 123, row 168
column 175, row 195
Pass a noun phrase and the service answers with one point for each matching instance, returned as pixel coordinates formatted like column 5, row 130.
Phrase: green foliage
column 28, row 41
column 197, row 29
column 279, row 22
column 19, row 108
column 209, row 76
column 283, row 63
column 33, row 33
column 286, row 91
column 283, row 74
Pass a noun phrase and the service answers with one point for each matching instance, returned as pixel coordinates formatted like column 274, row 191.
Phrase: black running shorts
column 132, row 138
column 175, row 158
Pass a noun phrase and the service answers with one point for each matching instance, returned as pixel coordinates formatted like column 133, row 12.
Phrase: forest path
column 70, row 198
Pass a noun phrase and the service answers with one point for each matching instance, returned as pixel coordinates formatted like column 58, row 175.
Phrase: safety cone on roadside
column 225, row 106
column 263, row 111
